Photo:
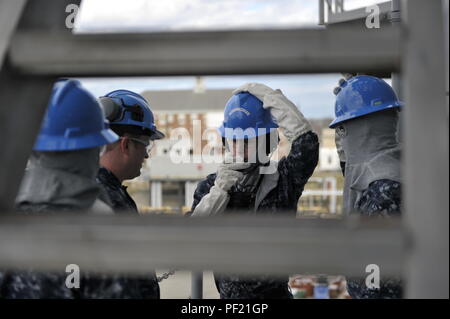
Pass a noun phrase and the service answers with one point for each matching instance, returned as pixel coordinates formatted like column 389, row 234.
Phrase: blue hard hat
column 244, row 111
column 362, row 95
column 123, row 107
column 74, row 120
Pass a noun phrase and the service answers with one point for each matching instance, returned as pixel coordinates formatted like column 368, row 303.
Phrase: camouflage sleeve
column 299, row 165
column 202, row 189
column 119, row 286
column 38, row 285
column 34, row 285
column 390, row 288
column 383, row 197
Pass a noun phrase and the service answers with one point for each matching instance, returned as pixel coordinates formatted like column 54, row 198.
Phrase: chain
column 166, row 275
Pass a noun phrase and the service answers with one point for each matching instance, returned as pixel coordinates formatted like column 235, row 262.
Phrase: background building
column 328, row 157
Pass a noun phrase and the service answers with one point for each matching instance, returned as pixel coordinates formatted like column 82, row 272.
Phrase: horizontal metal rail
column 232, row 244
column 10, row 12
column 221, row 52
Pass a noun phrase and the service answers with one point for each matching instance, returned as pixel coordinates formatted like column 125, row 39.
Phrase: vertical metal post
column 426, row 153
column 339, row 6
column 395, row 21
column 329, row 8
column 321, row 12
column 396, row 77
column 180, row 195
column 197, row 285
column 156, row 194
column 24, row 99
column 332, row 191
column 446, row 41
column 189, row 193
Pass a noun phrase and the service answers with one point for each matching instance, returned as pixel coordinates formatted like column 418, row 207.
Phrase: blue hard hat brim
column 243, row 134
column 362, row 112
column 60, row 143
column 157, row 135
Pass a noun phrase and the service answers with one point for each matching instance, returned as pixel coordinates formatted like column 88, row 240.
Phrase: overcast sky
column 157, row 15
column 311, row 93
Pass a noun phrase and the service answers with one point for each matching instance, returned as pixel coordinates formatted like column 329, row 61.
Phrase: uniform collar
column 106, row 175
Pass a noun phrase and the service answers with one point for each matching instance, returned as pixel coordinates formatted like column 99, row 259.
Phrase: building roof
column 187, row 100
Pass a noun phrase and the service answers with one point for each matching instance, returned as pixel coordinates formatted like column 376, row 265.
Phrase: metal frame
column 10, row 12
column 221, row 52
column 110, row 244
column 425, row 155
column 234, row 244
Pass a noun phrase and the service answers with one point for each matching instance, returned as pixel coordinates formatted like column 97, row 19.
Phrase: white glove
column 257, row 89
column 228, row 174
column 284, row 112
column 215, row 202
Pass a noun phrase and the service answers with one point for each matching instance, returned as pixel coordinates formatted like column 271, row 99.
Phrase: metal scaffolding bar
column 321, row 12
column 239, row 245
column 197, row 285
column 395, row 20
column 426, row 157
column 24, row 99
column 221, row 52
column 10, row 12
column 24, row 96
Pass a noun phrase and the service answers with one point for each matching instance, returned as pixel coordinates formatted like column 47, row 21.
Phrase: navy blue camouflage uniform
column 294, row 171
column 38, row 285
column 114, row 193
column 381, row 198
column 117, row 197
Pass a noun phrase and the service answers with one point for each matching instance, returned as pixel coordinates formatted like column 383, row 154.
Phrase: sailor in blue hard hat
column 361, row 95
column 65, row 158
column 367, row 111
column 248, row 130
column 131, row 112
column 131, row 118
column 243, row 185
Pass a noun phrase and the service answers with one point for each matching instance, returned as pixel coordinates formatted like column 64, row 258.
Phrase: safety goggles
column 148, row 144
